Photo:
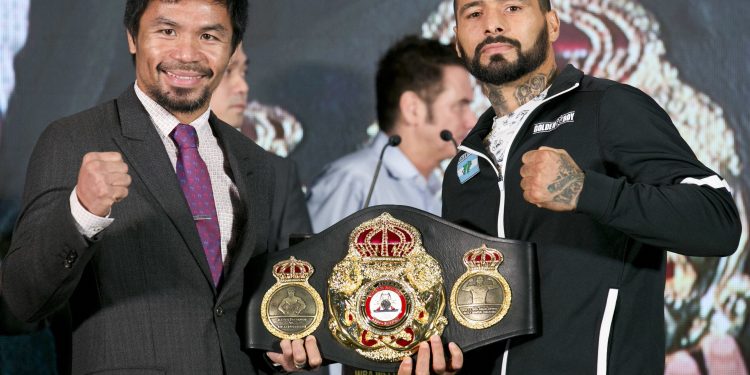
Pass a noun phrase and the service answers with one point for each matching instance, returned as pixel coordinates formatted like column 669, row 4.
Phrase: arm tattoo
column 568, row 183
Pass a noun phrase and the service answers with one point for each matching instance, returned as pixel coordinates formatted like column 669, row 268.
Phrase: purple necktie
column 196, row 185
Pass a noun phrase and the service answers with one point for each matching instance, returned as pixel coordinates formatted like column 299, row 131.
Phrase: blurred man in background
column 229, row 103
column 271, row 127
column 422, row 89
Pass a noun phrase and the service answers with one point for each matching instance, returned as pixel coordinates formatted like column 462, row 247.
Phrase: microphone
column 393, row 140
column 446, row 135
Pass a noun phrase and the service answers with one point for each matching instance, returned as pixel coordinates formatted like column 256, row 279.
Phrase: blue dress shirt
column 341, row 189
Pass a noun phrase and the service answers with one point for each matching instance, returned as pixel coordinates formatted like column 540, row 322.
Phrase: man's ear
column 131, row 43
column 412, row 107
column 553, row 25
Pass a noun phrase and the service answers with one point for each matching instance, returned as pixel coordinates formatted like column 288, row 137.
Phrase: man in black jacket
column 595, row 173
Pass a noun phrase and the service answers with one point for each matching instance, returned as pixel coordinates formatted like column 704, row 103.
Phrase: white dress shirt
column 226, row 196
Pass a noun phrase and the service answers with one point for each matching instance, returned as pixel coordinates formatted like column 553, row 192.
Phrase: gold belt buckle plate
column 386, row 295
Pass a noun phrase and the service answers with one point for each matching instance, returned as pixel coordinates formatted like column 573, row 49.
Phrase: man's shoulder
column 349, row 169
column 361, row 162
column 94, row 118
column 282, row 166
column 610, row 87
column 592, row 83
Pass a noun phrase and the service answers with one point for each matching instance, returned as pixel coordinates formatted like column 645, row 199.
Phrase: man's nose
column 494, row 23
column 187, row 50
column 241, row 85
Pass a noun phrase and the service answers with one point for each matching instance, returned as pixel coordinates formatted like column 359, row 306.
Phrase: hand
column 722, row 355
column 551, row 179
column 439, row 365
column 298, row 355
column 103, row 180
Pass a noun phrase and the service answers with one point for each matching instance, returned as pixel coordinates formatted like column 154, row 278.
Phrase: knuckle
column 529, row 197
column 286, row 345
column 316, row 362
column 100, row 190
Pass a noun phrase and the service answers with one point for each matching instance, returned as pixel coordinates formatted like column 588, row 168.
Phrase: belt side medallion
column 291, row 309
column 386, row 296
column 481, row 296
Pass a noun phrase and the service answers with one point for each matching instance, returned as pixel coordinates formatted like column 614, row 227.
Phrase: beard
column 499, row 70
column 179, row 100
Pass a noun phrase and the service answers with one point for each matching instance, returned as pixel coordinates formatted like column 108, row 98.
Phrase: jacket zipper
column 500, row 174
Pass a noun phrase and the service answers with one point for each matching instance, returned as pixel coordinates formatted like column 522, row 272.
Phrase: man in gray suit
column 141, row 214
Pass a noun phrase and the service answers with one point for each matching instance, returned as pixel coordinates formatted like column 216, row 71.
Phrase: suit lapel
column 144, row 152
column 253, row 181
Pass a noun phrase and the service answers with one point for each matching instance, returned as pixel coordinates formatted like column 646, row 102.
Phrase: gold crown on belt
column 385, row 237
column 293, row 270
column 483, row 258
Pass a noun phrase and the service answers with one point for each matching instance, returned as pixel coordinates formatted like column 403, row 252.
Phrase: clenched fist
column 102, row 181
column 551, row 179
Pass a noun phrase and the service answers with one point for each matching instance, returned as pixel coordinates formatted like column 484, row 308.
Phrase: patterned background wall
column 311, row 79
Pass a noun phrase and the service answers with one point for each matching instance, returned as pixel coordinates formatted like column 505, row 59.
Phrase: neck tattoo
column 523, row 93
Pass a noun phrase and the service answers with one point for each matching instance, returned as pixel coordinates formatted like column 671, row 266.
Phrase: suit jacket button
column 68, row 264
column 219, row 311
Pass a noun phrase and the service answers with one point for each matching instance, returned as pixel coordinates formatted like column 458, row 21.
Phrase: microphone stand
column 393, row 140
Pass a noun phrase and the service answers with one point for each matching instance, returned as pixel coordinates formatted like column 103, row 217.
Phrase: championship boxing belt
column 376, row 284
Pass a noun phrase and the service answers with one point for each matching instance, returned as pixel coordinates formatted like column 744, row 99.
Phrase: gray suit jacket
column 140, row 293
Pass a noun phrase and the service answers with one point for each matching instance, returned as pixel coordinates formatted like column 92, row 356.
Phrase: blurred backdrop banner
column 312, row 97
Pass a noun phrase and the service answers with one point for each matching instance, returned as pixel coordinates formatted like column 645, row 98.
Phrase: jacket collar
column 144, row 152
column 567, row 78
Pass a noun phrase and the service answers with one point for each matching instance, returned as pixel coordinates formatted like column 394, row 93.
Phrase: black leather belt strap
column 444, row 241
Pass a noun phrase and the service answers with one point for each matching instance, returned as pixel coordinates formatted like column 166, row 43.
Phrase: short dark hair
column 237, row 13
column 412, row 64
column 543, row 4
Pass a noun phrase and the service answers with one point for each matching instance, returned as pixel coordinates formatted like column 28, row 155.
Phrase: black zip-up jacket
column 602, row 267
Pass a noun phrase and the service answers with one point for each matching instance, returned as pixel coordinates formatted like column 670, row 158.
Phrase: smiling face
column 503, row 40
column 181, row 52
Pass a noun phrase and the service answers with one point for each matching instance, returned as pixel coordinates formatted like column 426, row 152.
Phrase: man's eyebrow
column 171, row 23
column 163, row 21
column 469, row 5
column 479, row 2
column 215, row 27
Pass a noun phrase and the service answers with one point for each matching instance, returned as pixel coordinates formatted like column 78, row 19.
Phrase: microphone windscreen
column 446, row 135
column 394, row 140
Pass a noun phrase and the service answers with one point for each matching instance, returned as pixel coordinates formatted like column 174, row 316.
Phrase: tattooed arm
column 551, row 179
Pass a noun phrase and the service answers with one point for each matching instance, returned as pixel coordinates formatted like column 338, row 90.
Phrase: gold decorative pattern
column 386, row 296
column 291, row 309
column 481, row 296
